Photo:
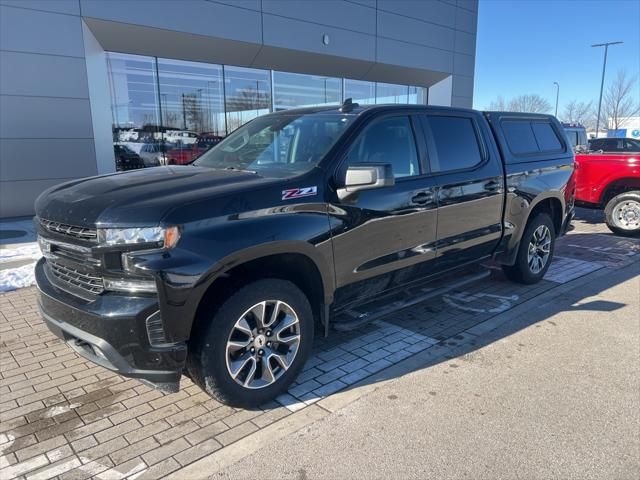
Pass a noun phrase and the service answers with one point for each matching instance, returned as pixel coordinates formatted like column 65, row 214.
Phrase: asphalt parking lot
column 62, row 417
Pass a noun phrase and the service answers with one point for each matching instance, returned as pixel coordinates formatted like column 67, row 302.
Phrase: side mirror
column 366, row 177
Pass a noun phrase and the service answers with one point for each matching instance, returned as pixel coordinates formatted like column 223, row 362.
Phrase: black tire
column 207, row 362
column 520, row 271
column 612, row 215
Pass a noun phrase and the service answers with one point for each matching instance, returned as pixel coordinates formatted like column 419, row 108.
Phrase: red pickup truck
column 611, row 181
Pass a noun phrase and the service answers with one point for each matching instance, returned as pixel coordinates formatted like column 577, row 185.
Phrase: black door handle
column 492, row 186
column 422, row 198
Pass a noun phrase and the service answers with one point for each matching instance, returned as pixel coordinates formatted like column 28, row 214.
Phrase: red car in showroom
column 187, row 153
column 611, row 181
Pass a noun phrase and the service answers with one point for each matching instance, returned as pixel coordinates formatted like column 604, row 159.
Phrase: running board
column 358, row 316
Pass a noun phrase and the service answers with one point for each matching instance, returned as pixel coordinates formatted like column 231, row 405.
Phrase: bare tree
column 579, row 112
column 498, row 105
column 531, row 103
column 618, row 103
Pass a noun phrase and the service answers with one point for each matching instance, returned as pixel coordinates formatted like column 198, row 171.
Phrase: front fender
column 209, row 249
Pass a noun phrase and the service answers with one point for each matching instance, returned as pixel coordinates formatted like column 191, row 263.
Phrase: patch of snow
column 30, row 250
column 19, row 277
column 12, row 278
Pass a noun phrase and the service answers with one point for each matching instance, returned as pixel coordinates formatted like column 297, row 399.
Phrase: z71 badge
column 299, row 192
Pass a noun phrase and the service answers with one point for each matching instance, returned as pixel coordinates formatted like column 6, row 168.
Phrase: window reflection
column 390, row 93
column 171, row 112
column 134, row 107
column 292, row 90
column 417, row 96
column 247, row 94
column 192, row 108
column 360, row 91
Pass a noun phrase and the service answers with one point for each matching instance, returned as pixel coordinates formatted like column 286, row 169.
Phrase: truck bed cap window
column 531, row 137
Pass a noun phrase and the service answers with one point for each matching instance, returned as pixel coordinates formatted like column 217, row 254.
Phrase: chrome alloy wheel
column 539, row 249
column 263, row 344
column 626, row 215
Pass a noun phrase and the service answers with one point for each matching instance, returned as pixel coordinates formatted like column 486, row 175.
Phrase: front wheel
column 622, row 214
column 535, row 252
column 255, row 345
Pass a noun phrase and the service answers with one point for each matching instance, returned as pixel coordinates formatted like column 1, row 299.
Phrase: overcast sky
column 526, row 45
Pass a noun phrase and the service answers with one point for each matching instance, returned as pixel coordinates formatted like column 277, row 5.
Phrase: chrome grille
column 77, row 278
column 70, row 230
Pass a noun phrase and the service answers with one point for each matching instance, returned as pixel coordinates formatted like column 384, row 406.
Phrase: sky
column 524, row 46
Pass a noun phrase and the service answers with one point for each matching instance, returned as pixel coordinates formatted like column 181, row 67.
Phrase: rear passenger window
column 455, row 143
column 546, row 137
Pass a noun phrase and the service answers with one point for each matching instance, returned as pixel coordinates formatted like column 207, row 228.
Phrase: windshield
column 278, row 146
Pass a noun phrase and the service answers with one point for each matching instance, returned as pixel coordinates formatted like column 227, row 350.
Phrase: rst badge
column 299, row 192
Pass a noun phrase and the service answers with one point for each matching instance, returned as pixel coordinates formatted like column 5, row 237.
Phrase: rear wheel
column 535, row 252
column 255, row 345
column 622, row 214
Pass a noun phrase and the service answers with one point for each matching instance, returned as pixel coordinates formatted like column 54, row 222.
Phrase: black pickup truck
column 222, row 269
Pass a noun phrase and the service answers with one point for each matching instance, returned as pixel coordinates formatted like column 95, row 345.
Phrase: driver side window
column 389, row 141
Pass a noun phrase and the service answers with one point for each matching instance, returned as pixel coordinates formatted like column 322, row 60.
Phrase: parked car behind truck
column 615, row 145
column 611, row 182
column 222, row 268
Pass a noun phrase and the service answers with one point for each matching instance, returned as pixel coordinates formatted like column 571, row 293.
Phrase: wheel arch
column 553, row 207
column 618, row 186
column 550, row 204
column 290, row 263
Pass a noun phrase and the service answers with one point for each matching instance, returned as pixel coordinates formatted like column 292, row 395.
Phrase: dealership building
column 82, row 80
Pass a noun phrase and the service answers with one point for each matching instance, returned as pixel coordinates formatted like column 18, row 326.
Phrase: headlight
column 132, row 286
column 165, row 237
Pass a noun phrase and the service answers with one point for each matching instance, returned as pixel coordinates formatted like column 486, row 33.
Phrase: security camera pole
column 604, row 66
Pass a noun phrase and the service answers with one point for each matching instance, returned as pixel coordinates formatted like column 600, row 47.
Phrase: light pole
column 604, row 66
column 557, row 96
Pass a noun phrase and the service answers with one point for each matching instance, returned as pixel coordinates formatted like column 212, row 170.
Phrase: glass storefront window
column 390, row 93
column 171, row 111
column 291, row 90
column 417, row 95
column 134, row 107
column 360, row 91
column 247, row 95
column 192, row 108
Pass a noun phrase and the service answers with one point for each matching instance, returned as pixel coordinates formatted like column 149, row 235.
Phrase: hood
column 139, row 197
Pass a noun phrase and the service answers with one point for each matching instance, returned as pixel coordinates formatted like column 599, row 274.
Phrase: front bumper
column 111, row 331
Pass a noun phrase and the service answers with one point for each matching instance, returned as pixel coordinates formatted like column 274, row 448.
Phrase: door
column 470, row 187
column 385, row 237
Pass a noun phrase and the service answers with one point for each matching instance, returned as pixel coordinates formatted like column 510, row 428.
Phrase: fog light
column 132, row 286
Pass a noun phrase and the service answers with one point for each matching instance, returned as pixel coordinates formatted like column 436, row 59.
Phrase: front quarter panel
column 208, row 248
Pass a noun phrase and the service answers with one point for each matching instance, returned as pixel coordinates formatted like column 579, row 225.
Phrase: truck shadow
column 446, row 327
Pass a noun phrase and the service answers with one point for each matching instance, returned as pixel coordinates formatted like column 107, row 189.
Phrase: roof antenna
column 348, row 105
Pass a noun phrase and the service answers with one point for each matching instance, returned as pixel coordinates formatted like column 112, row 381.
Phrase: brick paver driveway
column 61, row 416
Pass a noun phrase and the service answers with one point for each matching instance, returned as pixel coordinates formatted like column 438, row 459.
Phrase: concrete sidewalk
column 559, row 398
